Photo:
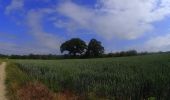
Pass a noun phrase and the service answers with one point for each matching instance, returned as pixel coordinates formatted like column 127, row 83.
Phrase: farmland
column 123, row 78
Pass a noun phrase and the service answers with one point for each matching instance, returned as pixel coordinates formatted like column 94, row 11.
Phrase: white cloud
column 45, row 42
column 12, row 48
column 122, row 18
column 159, row 43
column 9, row 45
column 34, row 20
column 14, row 5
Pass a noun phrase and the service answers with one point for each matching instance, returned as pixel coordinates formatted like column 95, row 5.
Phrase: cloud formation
column 122, row 18
column 35, row 23
column 14, row 5
column 111, row 19
column 159, row 43
column 12, row 48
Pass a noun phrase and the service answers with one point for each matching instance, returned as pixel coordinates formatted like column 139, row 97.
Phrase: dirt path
column 2, row 80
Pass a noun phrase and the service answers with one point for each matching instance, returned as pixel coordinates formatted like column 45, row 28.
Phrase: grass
column 15, row 79
column 1, row 60
column 140, row 77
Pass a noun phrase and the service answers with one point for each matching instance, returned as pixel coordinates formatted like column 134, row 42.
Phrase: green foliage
column 135, row 78
column 74, row 46
column 95, row 48
column 126, row 53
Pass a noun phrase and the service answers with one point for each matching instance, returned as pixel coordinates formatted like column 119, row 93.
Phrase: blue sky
column 40, row 26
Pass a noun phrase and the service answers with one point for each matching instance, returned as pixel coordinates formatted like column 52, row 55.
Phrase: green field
column 125, row 78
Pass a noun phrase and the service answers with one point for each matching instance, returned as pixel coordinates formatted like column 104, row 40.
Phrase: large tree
column 94, row 48
column 74, row 46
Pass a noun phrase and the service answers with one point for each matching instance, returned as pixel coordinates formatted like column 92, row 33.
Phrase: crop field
column 125, row 78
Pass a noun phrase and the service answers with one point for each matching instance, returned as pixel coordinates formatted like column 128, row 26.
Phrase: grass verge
column 21, row 86
column 15, row 79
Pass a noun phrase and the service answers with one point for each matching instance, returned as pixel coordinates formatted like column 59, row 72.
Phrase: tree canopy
column 95, row 48
column 75, row 46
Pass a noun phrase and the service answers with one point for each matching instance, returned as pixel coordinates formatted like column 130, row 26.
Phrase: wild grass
column 15, row 79
column 1, row 60
column 126, row 78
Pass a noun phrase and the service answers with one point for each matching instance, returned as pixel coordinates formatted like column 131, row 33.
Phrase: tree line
column 77, row 48
column 53, row 57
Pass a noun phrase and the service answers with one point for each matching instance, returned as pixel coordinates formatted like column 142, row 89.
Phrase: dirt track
column 2, row 80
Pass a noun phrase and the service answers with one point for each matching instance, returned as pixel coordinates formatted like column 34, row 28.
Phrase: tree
column 74, row 46
column 94, row 48
column 132, row 53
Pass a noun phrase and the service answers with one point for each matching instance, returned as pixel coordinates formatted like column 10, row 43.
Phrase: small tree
column 94, row 48
column 74, row 46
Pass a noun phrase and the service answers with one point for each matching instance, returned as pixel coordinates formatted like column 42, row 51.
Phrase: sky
column 40, row 26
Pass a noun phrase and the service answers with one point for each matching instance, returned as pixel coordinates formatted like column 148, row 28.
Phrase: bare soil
column 35, row 91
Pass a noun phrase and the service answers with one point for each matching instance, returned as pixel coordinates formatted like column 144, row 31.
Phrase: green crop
column 113, row 78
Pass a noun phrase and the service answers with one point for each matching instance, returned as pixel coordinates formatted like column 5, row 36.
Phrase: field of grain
column 125, row 78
